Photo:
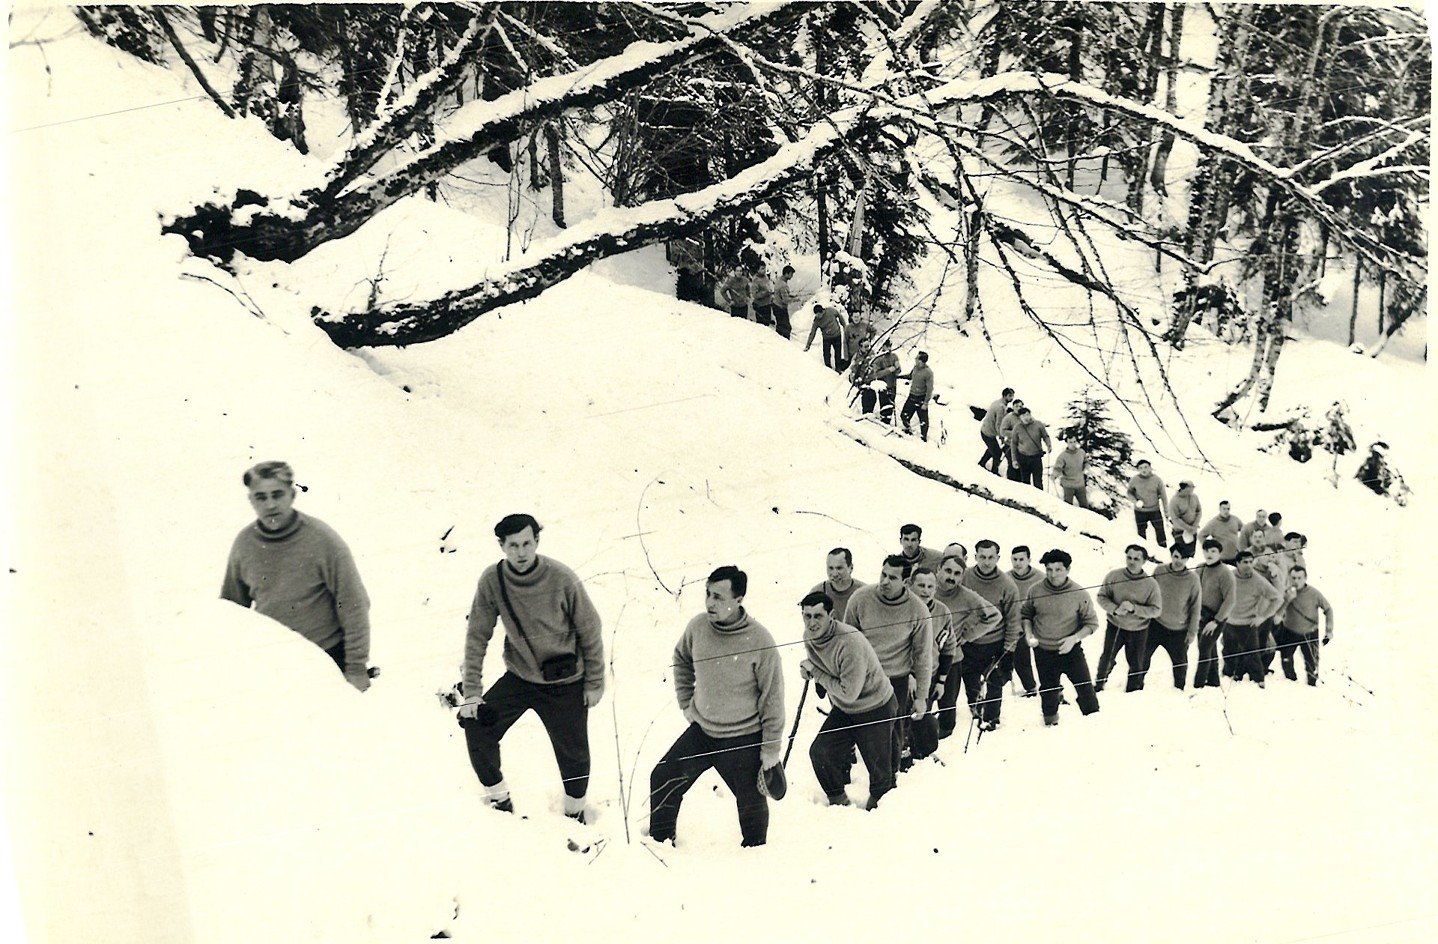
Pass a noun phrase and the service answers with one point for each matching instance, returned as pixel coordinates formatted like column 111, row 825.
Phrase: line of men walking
column 891, row 657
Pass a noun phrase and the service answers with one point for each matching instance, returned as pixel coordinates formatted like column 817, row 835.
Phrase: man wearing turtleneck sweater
column 840, row 585
column 1131, row 598
column 730, row 686
column 913, row 551
column 965, row 609
column 897, row 625
column 297, row 571
column 1024, row 575
column 1216, row 586
column 924, row 585
column 553, row 660
column 839, row 658
column 1176, row 627
column 1255, row 601
column 989, row 643
column 1057, row 616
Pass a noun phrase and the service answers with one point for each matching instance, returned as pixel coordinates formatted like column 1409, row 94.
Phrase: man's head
column 892, row 574
column 1019, row 558
column 986, row 555
column 519, row 539
column 818, row 611
column 839, row 566
column 909, row 537
column 724, row 592
column 1185, row 486
column 1224, row 510
column 1008, row 394
column 951, row 571
column 1056, row 565
column 1016, row 404
column 1176, row 560
column 271, row 488
column 1261, row 518
column 1145, row 468
column 1298, row 576
column 1245, row 563
column 1212, row 551
column 924, row 583
column 787, row 272
column 957, row 550
column 921, row 357
column 1294, row 541
column 1275, row 519
column 1134, row 557
column 1071, row 444
column 1025, row 414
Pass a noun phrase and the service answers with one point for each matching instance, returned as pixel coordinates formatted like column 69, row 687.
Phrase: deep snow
column 178, row 769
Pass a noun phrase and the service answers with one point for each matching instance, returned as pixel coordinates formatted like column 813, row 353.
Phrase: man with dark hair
column 840, row 659
column 857, row 335
column 1255, row 601
column 1006, row 437
column 989, row 430
column 1149, row 500
column 921, row 388
column 730, row 686
column 1057, row 615
column 828, row 321
column 990, row 645
column 1030, row 439
column 1068, row 472
column 1273, row 534
column 913, row 551
column 297, row 571
column 1131, row 598
column 1259, row 524
column 761, row 296
column 735, row 290
column 1185, row 512
column 1298, row 625
column 553, row 660
column 1176, row 626
column 1216, row 588
column 1024, row 575
column 1226, row 529
column 783, row 298
column 884, row 369
column 897, row 625
column 946, row 651
column 840, row 583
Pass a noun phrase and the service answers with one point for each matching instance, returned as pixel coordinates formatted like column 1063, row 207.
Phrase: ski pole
column 794, row 731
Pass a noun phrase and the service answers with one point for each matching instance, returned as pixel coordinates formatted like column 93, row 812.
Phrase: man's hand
column 1327, row 639
column 806, row 670
column 1031, row 640
column 913, row 687
column 592, row 696
column 1067, row 645
column 921, row 708
column 470, row 708
column 1124, row 608
column 939, row 690
column 1291, row 592
column 1210, row 627
column 358, row 677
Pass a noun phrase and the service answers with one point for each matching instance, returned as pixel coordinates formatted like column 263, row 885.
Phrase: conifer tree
column 1109, row 451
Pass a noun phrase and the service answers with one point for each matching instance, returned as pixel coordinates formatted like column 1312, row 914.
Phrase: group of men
column 891, row 657
column 750, row 292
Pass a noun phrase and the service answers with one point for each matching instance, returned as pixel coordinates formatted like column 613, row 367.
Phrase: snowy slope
column 178, row 769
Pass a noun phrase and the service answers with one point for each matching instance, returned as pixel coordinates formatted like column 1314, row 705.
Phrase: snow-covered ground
column 178, row 769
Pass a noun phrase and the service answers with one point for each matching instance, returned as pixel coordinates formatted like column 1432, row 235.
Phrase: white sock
column 499, row 792
column 573, row 805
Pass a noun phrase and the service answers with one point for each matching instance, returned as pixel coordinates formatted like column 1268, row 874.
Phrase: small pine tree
column 1109, row 451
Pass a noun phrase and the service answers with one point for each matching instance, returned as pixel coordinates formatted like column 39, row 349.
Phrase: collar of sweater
column 282, row 533
column 826, row 635
column 735, row 625
column 530, row 577
column 1068, row 581
column 879, row 595
column 991, row 575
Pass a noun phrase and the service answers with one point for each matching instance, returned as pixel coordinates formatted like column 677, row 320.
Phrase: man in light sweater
column 989, row 430
column 1006, row 437
column 863, row 706
column 1227, row 530
column 1024, row 575
column 297, row 571
column 1057, row 615
column 761, row 296
column 924, row 583
column 1216, row 589
column 730, row 687
column 966, row 609
column 783, row 298
column 897, row 625
column 857, row 335
column 1131, row 598
column 553, row 661
column 912, row 549
column 1176, row 627
column 1149, row 500
column 735, row 290
column 1255, row 602
column 1068, row 472
column 921, row 389
column 989, row 643
column 1298, row 624
column 1030, row 439
column 1185, row 513
column 1259, row 524
column 840, row 583
column 830, row 323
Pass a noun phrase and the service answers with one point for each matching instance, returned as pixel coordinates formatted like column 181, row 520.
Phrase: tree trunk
column 1382, row 298
column 556, row 172
column 194, row 67
column 1153, row 30
column 971, row 264
column 1353, row 309
column 1158, row 178
column 1075, row 112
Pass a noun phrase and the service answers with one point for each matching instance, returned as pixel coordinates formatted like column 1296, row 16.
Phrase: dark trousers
column 1031, row 470
column 739, row 311
column 832, row 357
column 1014, row 473
column 1023, row 664
column 561, row 710
column 886, row 406
column 337, row 652
column 920, row 406
column 1134, row 643
column 872, row 732
column 903, row 724
column 1172, row 641
column 992, row 450
column 1052, row 667
column 1144, row 518
column 868, row 400
column 737, row 761
column 984, row 677
column 948, row 718
column 764, row 314
column 1288, row 642
column 1241, row 652
column 781, row 321
column 1207, row 672
column 1076, row 496
column 1187, row 548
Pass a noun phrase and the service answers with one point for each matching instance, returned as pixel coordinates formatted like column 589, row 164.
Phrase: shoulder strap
column 514, row 617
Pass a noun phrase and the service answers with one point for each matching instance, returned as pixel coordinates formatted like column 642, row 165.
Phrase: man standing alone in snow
column 1185, row 512
column 1149, row 501
column 297, row 571
column 1068, row 472
column 1298, row 624
column 553, row 660
column 828, row 321
column 921, row 389
column 1058, row 614
column 730, row 686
